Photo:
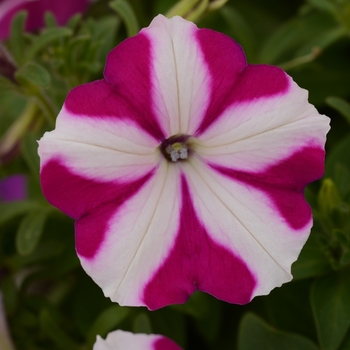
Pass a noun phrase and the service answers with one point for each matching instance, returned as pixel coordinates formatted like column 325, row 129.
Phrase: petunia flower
column 122, row 340
column 184, row 169
column 62, row 10
column 13, row 188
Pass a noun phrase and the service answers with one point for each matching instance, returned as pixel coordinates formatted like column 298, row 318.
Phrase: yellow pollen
column 177, row 146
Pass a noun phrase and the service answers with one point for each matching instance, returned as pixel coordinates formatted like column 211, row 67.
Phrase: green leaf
column 288, row 308
column 46, row 38
column 30, row 230
column 50, row 20
column 33, row 73
column 311, row 262
column 29, row 149
column 125, row 11
column 54, row 331
column 342, row 106
column 6, row 84
column 170, row 323
column 240, row 30
column 291, row 35
column 10, row 293
column 43, row 252
column 322, row 41
column 323, row 5
column 16, row 38
column 346, row 343
column 107, row 321
column 105, row 32
column 345, row 259
column 197, row 305
column 330, row 300
column 9, row 211
column 142, row 324
column 209, row 325
column 74, row 21
column 341, row 179
column 255, row 334
column 339, row 154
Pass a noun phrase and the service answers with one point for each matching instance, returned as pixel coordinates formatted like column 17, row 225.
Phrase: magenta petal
column 233, row 80
column 196, row 262
column 224, row 68
column 91, row 202
column 128, row 69
column 285, row 182
column 101, row 99
column 165, row 344
column 13, row 188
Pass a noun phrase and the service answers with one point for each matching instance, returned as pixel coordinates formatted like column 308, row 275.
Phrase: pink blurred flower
column 13, row 188
column 62, row 9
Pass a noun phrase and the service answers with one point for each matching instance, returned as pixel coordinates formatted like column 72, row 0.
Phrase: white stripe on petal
column 181, row 80
column 253, row 135
column 100, row 148
column 139, row 238
column 244, row 220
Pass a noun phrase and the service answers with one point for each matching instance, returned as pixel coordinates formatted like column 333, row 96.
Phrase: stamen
column 177, row 150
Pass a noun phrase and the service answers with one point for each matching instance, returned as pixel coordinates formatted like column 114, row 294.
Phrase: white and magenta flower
column 122, row 340
column 62, row 10
column 184, row 169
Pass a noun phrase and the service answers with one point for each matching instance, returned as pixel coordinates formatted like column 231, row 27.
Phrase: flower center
column 175, row 148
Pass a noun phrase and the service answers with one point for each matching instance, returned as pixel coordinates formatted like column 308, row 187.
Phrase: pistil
column 175, row 148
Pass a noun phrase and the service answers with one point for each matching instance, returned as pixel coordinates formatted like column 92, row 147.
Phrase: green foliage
column 17, row 36
column 341, row 106
column 30, row 230
column 49, row 300
column 106, row 322
column 142, row 324
column 255, row 334
column 125, row 11
column 330, row 299
column 33, row 73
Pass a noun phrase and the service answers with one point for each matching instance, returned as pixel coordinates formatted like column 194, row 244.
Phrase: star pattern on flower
column 184, row 169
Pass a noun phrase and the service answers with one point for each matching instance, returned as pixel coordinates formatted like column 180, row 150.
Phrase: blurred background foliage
column 51, row 303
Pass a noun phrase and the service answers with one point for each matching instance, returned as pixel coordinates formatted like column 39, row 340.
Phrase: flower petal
column 284, row 183
column 129, row 72
column 252, row 135
column 254, row 82
column 102, row 99
column 102, row 149
column 197, row 261
column 79, row 197
column 122, row 340
column 179, row 74
column 138, row 237
column 172, row 77
column 243, row 213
